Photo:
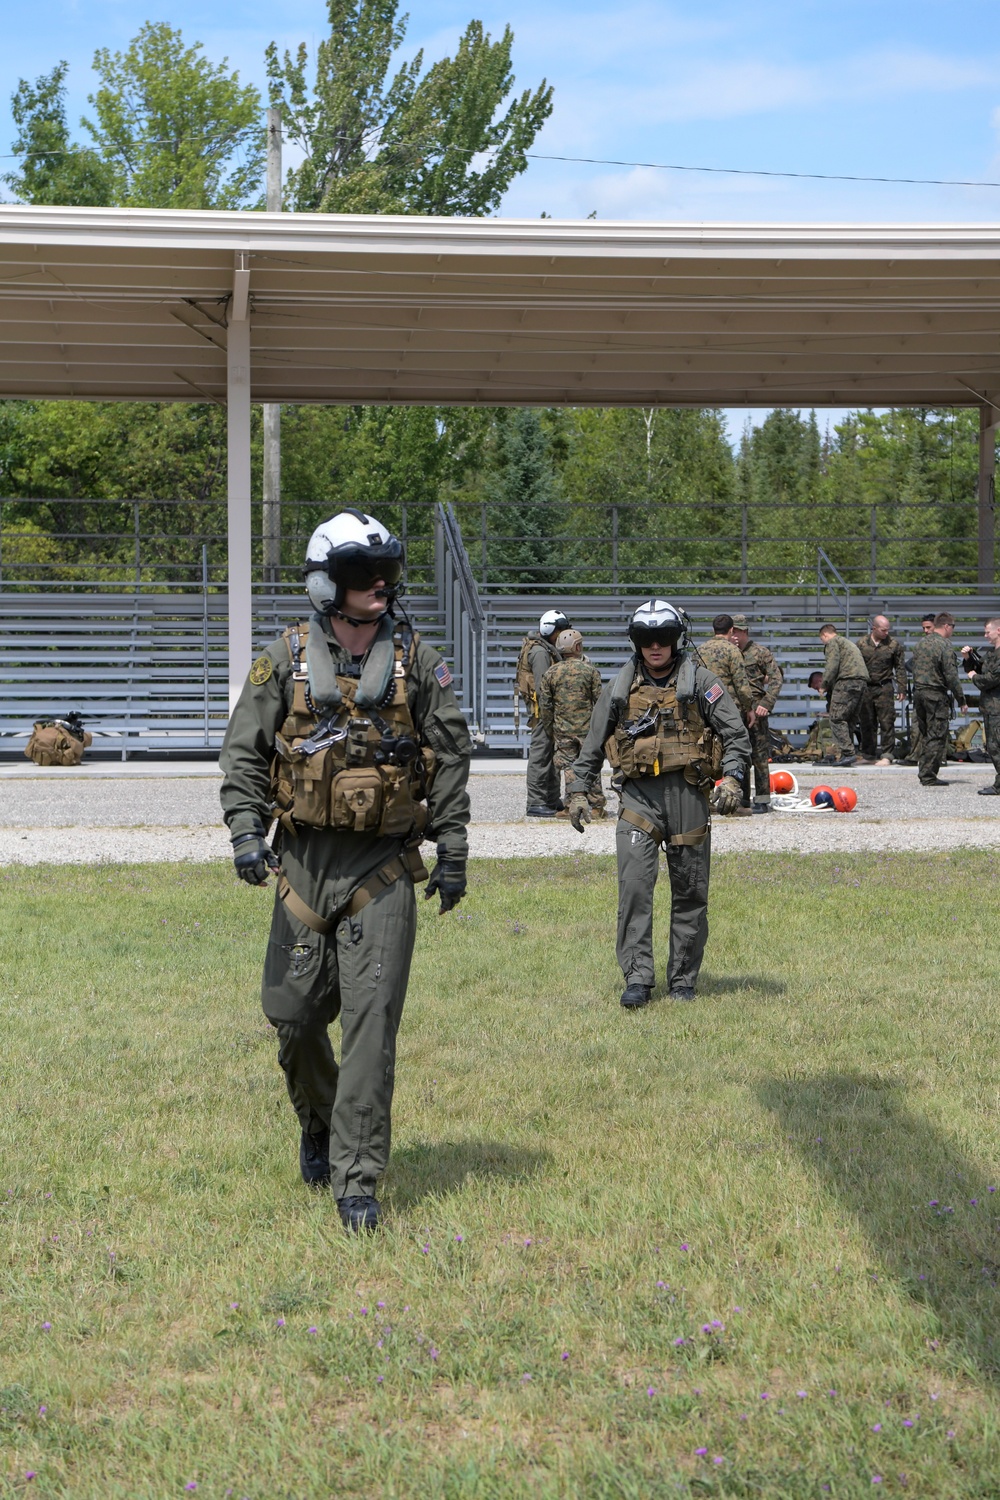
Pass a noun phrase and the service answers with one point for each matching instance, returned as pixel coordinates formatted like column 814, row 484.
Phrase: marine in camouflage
column 845, row 678
column 886, row 663
column 566, row 698
column 935, row 683
column 725, row 660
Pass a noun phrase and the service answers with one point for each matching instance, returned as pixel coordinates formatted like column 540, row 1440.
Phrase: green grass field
column 748, row 1247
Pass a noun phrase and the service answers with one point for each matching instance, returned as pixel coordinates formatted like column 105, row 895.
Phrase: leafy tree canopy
column 170, row 130
column 431, row 142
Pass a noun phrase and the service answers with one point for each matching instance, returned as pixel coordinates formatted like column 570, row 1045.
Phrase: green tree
column 171, row 130
column 53, row 170
column 523, row 514
column 412, row 143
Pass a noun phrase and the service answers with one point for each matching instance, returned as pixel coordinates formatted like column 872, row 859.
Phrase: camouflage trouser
column 543, row 778
column 933, row 713
column 845, row 703
column 991, row 729
column 679, row 808
column 760, row 755
column 567, row 748
column 359, row 972
column 878, row 713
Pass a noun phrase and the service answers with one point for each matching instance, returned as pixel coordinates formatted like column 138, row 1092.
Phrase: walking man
column 935, row 683
column 566, row 699
column 885, row 659
column 986, row 677
column 764, row 677
column 538, row 653
column 669, row 729
column 844, row 679
column 348, row 732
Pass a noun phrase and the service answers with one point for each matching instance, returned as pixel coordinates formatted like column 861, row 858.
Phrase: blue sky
column 869, row 87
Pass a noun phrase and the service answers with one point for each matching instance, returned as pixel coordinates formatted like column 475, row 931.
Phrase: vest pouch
column 398, row 808
column 612, row 752
column 311, row 776
column 356, row 798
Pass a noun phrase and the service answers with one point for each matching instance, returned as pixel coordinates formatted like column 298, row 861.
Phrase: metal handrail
column 464, row 616
column 823, row 582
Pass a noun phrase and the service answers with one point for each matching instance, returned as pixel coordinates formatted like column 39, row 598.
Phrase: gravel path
column 67, row 818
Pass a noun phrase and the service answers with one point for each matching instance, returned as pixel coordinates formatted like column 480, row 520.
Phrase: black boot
column 636, row 995
column 359, row 1215
column 314, row 1158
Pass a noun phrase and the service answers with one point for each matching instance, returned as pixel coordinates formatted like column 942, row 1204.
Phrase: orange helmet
column 845, row 798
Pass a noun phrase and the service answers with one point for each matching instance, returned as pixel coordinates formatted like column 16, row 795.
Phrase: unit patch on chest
column 261, row 670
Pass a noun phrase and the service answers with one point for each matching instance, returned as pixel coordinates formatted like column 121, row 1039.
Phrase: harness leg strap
column 675, row 841
column 407, row 863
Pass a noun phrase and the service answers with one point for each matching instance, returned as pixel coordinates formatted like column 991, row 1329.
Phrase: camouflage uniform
column 680, row 809
column 542, row 778
column 844, row 679
column 765, row 678
column 886, row 678
column 725, row 660
column 566, row 699
column 935, row 678
column 988, row 683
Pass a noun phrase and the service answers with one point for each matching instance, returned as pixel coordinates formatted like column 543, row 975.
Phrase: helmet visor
column 654, row 635
column 358, row 567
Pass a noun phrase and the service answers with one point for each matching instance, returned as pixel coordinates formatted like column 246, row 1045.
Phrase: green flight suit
column 764, row 677
column 678, row 808
column 987, row 680
column 543, row 778
column 935, row 683
column 360, row 970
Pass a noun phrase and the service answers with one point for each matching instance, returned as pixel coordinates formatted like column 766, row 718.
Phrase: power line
column 599, row 161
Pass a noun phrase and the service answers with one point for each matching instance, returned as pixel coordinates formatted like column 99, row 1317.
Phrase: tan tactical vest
column 55, row 743
column 673, row 736
column 365, row 770
column 525, row 685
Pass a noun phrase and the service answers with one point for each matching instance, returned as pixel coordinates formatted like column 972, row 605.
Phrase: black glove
column 447, row 880
column 254, row 858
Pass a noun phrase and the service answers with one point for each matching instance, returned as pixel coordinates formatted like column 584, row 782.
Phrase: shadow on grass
column 740, row 984
column 930, row 1215
column 432, row 1169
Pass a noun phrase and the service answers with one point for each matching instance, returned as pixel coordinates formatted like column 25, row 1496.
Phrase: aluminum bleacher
column 148, row 671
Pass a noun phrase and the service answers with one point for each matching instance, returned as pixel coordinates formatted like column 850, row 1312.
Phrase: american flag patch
column 443, row 675
column 714, row 693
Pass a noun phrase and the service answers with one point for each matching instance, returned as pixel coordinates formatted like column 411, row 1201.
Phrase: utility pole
column 272, row 411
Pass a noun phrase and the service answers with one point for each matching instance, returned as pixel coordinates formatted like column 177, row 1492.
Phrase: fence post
column 138, row 544
column 744, row 548
column 614, row 546
column 874, row 562
column 204, row 631
column 482, row 534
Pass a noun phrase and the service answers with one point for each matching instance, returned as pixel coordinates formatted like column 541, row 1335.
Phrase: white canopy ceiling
column 135, row 304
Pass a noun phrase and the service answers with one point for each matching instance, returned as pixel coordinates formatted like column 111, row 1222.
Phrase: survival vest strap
column 525, row 685
column 693, row 838
column 408, row 862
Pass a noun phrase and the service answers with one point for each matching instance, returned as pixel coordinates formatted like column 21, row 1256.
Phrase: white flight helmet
column 657, row 620
column 350, row 551
column 551, row 623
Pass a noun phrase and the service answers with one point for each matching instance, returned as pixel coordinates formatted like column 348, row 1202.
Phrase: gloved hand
column 447, row 880
column 727, row 795
column 579, row 810
column 254, row 858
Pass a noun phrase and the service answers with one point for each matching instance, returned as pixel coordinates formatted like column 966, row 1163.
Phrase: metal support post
column 989, row 416
column 238, row 425
column 271, row 410
column 873, row 527
column 744, row 549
